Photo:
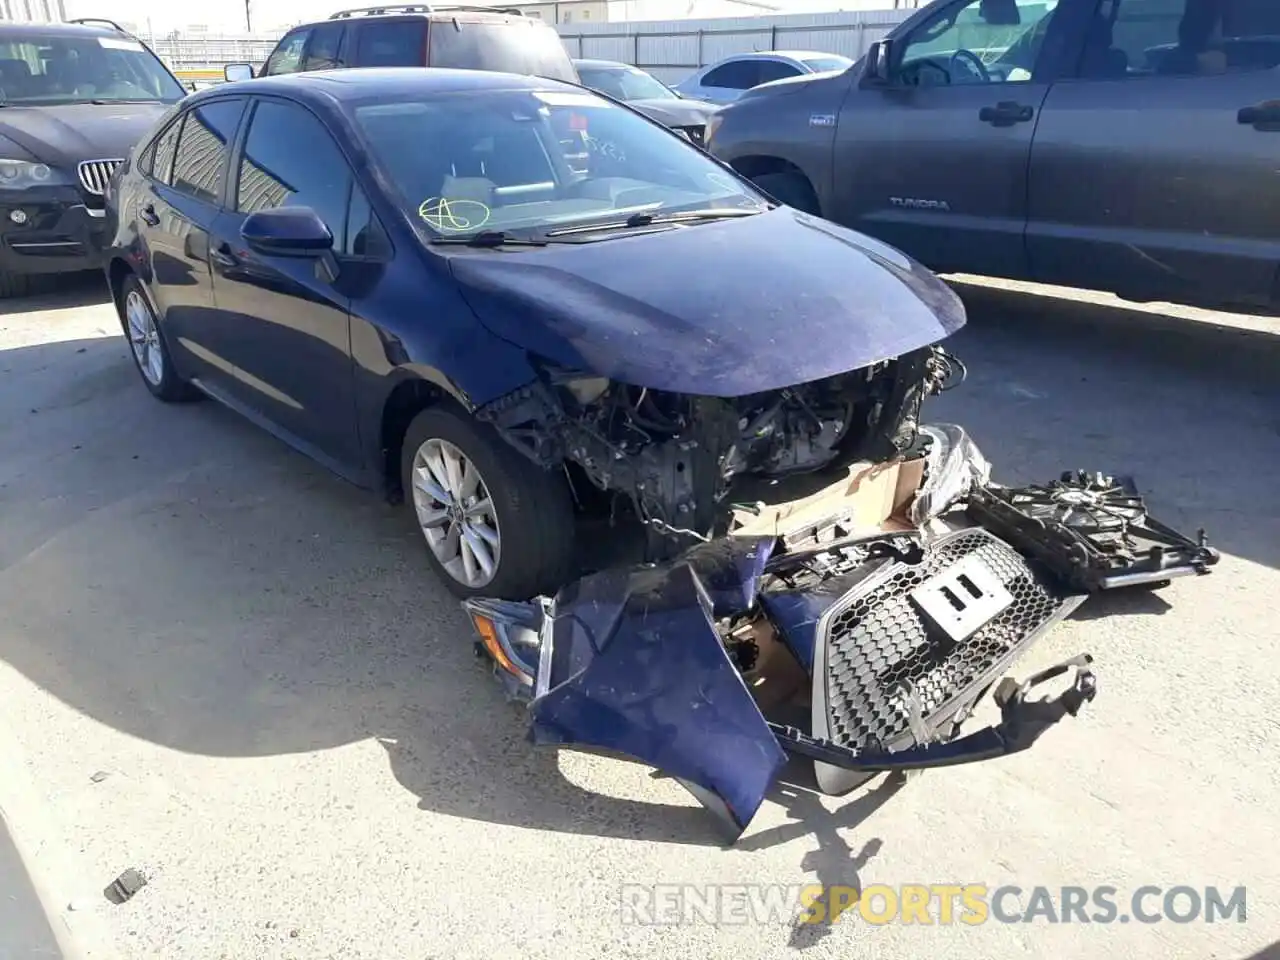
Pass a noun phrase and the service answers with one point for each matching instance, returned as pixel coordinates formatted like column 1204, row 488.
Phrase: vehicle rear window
column 392, row 43
column 523, row 48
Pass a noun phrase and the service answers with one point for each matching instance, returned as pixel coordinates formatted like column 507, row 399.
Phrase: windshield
column 57, row 69
column 523, row 161
column 520, row 47
column 624, row 84
column 823, row 64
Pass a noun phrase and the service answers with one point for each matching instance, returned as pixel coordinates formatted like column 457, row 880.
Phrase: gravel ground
column 223, row 666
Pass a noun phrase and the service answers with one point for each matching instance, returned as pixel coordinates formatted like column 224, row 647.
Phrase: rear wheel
column 150, row 353
column 495, row 524
column 789, row 188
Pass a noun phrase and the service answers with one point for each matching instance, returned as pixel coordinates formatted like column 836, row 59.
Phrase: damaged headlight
column 587, row 390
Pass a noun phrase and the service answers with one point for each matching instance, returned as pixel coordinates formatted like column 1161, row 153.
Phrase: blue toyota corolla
column 512, row 302
column 521, row 306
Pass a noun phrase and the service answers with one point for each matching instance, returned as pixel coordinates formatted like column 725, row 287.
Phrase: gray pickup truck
column 1130, row 146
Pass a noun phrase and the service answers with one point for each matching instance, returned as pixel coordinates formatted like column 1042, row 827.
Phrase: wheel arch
column 756, row 165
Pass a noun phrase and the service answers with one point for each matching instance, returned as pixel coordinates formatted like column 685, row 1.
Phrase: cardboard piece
column 871, row 497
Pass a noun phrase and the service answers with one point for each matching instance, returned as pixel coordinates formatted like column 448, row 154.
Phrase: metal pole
column 248, row 20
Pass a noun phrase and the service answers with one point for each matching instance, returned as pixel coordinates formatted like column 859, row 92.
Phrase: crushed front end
column 858, row 628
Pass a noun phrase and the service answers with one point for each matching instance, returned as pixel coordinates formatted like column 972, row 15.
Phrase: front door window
column 979, row 42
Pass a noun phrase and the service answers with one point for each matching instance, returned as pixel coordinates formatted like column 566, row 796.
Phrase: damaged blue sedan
column 661, row 433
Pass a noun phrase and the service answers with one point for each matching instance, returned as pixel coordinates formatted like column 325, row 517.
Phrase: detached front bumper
column 58, row 232
column 900, row 634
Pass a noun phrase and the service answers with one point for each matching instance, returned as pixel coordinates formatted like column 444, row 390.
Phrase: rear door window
column 204, row 147
column 287, row 56
column 391, row 43
column 531, row 49
column 322, row 51
column 160, row 161
column 737, row 75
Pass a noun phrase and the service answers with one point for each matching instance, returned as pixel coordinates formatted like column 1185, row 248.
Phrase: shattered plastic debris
column 125, row 886
column 954, row 465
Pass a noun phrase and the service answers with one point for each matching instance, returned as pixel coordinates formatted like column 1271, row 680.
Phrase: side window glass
column 287, row 57
column 1138, row 38
column 322, row 51
column 738, row 75
column 394, row 44
column 775, row 70
column 162, row 153
column 203, row 148
column 365, row 236
column 980, row 41
column 290, row 160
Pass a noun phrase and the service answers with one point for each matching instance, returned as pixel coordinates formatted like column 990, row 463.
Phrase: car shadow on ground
column 176, row 574
column 60, row 292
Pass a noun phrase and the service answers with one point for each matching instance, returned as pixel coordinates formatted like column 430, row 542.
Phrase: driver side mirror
column 296, row 232
column 237, row 71
column 879, row 62
column 287, row 232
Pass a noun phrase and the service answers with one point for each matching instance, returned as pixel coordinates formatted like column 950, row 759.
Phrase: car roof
column 782, row 55
column 347, row 85
column 18, row 30
column 466, row 13
column 604, row 65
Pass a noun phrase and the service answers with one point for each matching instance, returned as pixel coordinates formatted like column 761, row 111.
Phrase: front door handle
column 149, row 216
column 1260, row 115
column 223, row 257
column 1006, row 114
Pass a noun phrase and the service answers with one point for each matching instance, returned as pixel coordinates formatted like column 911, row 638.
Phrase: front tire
column 146, row 343
column 495, row 524
column 14, row 285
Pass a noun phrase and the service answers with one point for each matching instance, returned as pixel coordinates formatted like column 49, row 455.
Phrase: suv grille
column 94, row 175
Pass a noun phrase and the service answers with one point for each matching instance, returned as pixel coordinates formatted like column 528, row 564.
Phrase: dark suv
column 74, row 99
column 1120, row 145
column 462, row 37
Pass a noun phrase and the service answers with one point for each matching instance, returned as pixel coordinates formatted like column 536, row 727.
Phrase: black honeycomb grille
column 878, row 642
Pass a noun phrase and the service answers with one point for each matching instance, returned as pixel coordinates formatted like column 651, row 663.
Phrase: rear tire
column 493, row 522
column 148, row 347
column 14, row 285
column 789, row 188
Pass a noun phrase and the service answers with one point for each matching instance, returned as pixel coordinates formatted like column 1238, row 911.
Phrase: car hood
column 788, row 84
column 675, row 113
column 724, row 308
column 67, row 134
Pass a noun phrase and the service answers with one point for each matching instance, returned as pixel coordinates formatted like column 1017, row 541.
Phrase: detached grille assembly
column 902, row 656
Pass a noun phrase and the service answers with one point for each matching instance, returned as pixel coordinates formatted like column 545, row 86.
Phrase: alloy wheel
column 144, row 337
column 456, row 513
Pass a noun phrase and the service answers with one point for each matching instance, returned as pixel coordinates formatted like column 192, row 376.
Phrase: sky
column 228, row 16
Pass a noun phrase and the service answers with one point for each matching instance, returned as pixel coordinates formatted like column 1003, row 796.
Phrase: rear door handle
column 1006, row 114
column 149, row 216
column 1261, row 114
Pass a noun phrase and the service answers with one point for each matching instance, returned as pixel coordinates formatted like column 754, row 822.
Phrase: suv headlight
column 17, row 174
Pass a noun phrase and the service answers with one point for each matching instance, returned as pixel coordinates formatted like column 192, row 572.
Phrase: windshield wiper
column 652, row 218
column 490, row 238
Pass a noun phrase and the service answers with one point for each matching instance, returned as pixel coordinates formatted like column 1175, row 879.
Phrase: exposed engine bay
column 675, row 457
